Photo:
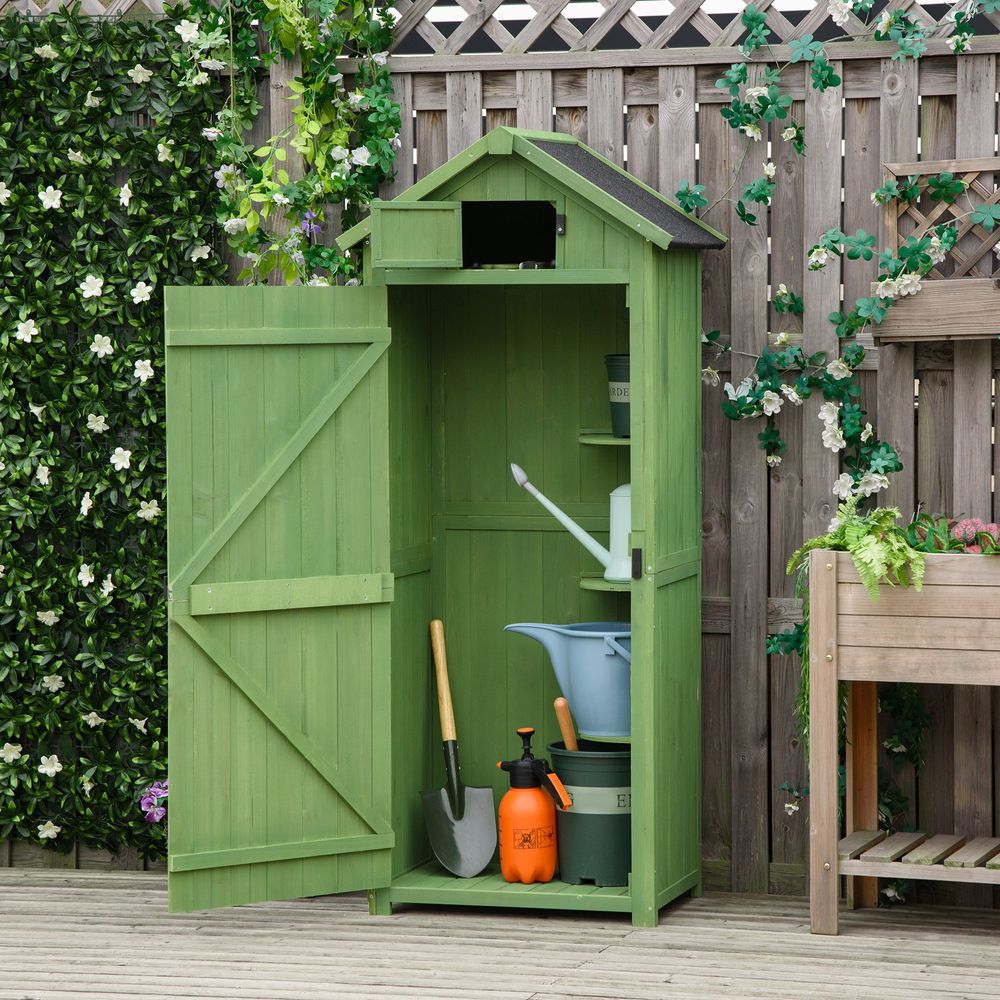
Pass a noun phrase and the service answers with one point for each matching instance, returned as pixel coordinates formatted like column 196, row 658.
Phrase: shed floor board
column 67, row 936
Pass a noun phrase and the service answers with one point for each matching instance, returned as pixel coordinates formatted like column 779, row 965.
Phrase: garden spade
column 461, row 819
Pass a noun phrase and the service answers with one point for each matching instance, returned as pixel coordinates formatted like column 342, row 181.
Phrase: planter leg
column 378, row 903
column 862, row 779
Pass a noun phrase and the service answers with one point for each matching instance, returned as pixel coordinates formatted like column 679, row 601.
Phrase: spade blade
column 464, row 846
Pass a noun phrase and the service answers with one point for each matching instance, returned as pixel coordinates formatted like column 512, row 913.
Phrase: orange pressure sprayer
column 528, row 817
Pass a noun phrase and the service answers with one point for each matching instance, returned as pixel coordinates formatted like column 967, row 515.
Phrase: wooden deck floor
column 88, row 935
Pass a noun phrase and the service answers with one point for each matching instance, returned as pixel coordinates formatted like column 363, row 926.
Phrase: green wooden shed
column 338, row 470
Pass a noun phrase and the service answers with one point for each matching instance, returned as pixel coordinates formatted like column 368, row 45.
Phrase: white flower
column 107, row 586
column 781, row 338
column 164, row 153
column 91, row 100
column 10, row 752
column 893, row 894
column 228, row 173
column 85, row 504
column 86, row 786
column 149, row 510
column 199, row 79
column 46, row 52
column 838, row 369
column 101, row 345
column 124, row 195
column 833, row 438
column 139, row 74
column 37, row 410
column 42, row 474
column 884, row 23
column 143, row 370
column 791, row 395
column 280, row 199
column 844, row 486
column 380, row 58
column 48, row 830
column 867, row 432
column 771, row 402
column 361, row 156
column 339, row 153
column 752, row 131
column 908, row 284
column 396, row 142
column 829, row 413
column 97, row 423
column 773, row 460
column 335, row 78
column 26, row 330
column 839, row 11
column 769, row 170
column 833, row 526
column 75, row 156
column 121, row 458
column 92, row 287
column 141, row 293
column 755, row 93
column 216, row 65
column 188, row 30
column 202, row 252
column 211, row 133
column 85, row 575
column 355, row 99
column 791, row 808
column 139, row 724
column 52, row 683
column 49, row 618
column 5, row 193
column 2, row 569
column 818, row 257
column 937, row 252
column 50, row 198
column 742, row 389
column 318, row 281
column 960, row 43
column 93, row 720
column 235, row 225
column 886, row 288
column 710, row 377
column 872, row 482
column 50, row 766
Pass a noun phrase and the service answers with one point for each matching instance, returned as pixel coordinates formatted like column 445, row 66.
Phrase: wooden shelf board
column 945, row 857
column 430, row 883
column 604, row 438
column 599, row 583
column 933, row 873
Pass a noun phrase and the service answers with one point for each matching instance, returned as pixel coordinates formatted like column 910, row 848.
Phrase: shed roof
column 590, row 175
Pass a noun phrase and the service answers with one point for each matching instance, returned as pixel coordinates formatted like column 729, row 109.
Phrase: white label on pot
column 618, row 392
column 591, row 800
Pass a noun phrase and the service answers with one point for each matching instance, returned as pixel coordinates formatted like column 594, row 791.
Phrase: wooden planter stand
column 946, row 633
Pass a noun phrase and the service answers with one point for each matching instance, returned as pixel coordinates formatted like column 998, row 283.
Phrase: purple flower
column 155, row 815
column 308, row 226
column 147, row 803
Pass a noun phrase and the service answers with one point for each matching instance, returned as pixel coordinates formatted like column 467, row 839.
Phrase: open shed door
column 278, row 566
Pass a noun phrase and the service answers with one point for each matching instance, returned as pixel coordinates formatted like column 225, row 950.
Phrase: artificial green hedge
column 95, row 109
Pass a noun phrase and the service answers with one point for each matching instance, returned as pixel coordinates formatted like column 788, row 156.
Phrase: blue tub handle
column 612, row 646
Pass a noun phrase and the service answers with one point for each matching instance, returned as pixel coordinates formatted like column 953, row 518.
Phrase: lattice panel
column 113, row 8
column 973, row 256
column 449, row 28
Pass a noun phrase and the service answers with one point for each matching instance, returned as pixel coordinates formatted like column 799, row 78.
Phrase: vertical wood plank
column 641, row 135
column 898, row 129
column 465, row 110
column 748, row 503
column 402, row 87
column 534, row 99
column 282, row 111
column 432, row 141
column 605, row 114
column 824, row 781
column 973, row 460
column 676, row 131
column 862, row 778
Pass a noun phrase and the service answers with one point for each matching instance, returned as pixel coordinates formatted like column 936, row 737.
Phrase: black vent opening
column 508, row 232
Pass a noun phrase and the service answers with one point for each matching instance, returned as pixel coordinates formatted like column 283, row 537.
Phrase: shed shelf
column 595, row 582
column 603, row 438
column 956, row 859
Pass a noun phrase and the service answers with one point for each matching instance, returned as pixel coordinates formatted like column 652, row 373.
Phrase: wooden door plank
column 855, row 844
column 975, row 853
column 894, row 846
column 934, row 850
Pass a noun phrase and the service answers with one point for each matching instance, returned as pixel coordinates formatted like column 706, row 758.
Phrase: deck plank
column 68, row 936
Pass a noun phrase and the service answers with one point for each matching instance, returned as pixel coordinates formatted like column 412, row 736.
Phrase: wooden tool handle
column 446, row 712
column 561, row 705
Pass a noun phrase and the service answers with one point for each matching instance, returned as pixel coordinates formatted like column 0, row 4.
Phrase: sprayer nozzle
column 520, row 476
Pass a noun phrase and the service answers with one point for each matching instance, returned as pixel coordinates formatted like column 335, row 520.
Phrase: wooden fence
column 653, row 106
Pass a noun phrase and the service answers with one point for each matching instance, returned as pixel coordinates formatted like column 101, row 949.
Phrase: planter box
column 946, row 633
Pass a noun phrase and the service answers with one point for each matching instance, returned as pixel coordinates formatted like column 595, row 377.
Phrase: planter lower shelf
column 944, row 858
column 430, row 883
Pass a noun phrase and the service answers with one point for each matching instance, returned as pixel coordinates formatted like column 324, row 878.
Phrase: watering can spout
column 552, row 638
column 592, row 545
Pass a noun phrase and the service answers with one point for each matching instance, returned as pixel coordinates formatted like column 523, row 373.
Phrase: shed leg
column 378, row 903
column 862, row 779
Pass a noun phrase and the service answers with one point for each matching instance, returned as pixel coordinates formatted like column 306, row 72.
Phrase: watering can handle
column 612, row 646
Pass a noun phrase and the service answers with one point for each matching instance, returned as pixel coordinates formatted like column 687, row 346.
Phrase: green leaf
column 986, row 216
column 804, row 48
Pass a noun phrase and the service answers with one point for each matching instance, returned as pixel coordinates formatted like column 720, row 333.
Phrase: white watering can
column 618, row 562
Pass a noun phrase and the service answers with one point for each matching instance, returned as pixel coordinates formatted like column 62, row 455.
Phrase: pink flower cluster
column 970, row 528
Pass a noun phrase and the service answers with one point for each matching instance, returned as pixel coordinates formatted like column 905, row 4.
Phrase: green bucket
column 594, row 837
column 618, row 394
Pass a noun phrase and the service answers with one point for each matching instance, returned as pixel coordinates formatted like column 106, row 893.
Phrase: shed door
column 278, row 566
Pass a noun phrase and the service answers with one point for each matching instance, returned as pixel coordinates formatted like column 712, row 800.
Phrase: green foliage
column 754, row 20
column 986, row 216
column 805, row 49
column 81, row 544
column 691, row 197
column 822, row 75
column 788, row 302
column 945, row 187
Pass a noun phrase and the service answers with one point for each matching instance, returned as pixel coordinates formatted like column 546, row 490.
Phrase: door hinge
column 560, row 225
